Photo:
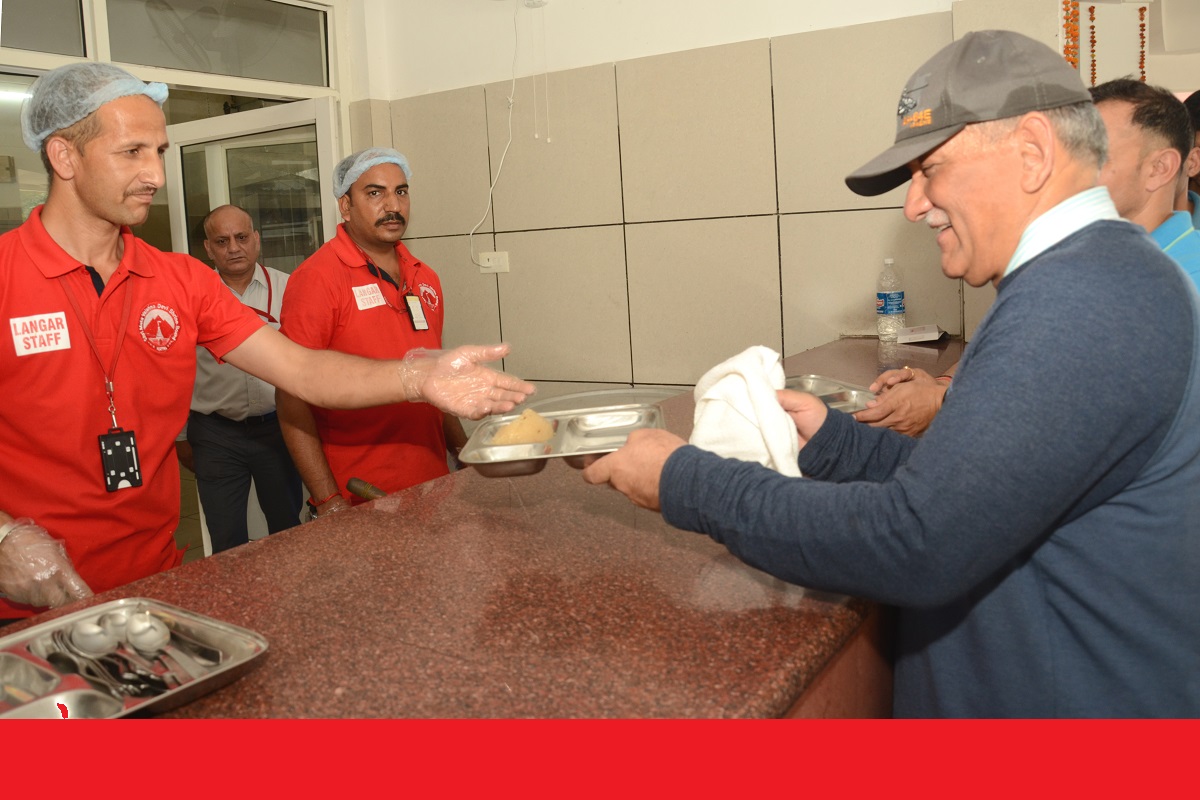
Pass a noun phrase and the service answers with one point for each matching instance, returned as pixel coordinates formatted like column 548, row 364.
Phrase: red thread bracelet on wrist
column 945, row 378
column 320, row 503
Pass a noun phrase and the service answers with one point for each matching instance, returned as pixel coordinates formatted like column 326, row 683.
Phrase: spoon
column 92, row 640
column 151, row 637
column 147, row 633
column 66, row 664
column 114, row 622
column 139, row 682
column 205, row 654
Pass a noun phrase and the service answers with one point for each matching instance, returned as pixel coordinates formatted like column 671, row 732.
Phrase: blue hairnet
column 63, row 96
column 351, row 168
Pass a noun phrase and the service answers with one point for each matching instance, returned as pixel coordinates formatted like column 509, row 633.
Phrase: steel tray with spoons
column 118, row 658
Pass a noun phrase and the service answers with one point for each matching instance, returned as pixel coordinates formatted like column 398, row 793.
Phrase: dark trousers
column 227, row 454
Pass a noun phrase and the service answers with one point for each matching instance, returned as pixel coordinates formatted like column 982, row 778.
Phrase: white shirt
column 1071, row 215
column 223, row 388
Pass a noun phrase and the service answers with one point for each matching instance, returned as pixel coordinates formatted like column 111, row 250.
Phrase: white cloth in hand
column 739, row 416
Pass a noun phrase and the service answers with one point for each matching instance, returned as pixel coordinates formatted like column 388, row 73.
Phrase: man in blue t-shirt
column 1150, row 138
column 1189, row 199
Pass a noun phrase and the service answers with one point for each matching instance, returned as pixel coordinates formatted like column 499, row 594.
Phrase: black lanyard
column 416, row 314
column 111, row 370
column 382, row 274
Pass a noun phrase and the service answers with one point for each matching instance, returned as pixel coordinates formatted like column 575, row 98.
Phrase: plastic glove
column 35, row 569
column 457, row 382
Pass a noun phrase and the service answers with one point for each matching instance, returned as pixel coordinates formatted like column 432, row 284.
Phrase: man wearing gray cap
column 364, row 293
column 1042, row 540
column 97, row 373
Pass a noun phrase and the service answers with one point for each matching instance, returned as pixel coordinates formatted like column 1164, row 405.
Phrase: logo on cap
column 910, row 118
column 918, row 119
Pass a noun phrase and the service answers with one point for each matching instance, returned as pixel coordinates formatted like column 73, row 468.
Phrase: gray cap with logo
column 985, row 75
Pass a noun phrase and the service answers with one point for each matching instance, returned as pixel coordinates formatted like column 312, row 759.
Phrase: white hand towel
column 739, row 416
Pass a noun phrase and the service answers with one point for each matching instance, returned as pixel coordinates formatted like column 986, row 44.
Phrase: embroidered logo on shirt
column 40, row 333
column 429, row 296
column 159, row 325
column 369, row 296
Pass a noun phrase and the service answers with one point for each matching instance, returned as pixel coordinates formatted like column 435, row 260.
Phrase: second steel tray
column 836, row 394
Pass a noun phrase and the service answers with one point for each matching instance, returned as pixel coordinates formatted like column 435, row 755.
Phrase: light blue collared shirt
column 1180, row 241
column 1071, row 215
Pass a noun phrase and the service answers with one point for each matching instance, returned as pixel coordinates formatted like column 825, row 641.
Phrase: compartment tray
column 579, row 436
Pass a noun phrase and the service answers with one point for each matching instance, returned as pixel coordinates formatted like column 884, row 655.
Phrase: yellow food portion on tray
column 529, row 428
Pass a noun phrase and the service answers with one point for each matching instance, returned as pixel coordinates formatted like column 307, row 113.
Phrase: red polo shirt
column 333, row 302
column 54, row 402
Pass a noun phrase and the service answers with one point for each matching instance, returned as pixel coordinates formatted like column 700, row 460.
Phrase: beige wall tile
column 835, row 105
column 1034, row 18
column 696, row 133
column 472, row 306
column 830, row 265
column 701, row 292
column 563, row 305
column 1179, row 72
column 444, row 136
column 563, row 166
column 370, row 124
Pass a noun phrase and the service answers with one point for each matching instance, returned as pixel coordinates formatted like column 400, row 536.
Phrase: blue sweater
column 1042, row 540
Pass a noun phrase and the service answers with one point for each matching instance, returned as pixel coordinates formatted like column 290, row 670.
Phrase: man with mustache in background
column 364, row 293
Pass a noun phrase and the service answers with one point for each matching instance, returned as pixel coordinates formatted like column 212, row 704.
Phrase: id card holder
column 118, row 454
column 417, row 313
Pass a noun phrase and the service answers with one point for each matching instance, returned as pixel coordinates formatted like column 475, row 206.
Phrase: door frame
column 321, row 112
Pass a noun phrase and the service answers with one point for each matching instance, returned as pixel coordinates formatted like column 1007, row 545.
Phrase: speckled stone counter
column 538, row 596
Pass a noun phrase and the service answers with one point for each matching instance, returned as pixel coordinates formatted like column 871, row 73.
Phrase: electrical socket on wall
column 490, row 263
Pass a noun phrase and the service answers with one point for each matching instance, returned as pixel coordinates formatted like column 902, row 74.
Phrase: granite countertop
column 536, row 596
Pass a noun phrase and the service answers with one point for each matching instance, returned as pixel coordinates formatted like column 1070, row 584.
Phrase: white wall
column 423, row 46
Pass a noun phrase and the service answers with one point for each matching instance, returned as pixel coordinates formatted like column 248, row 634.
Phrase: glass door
column 277, row 163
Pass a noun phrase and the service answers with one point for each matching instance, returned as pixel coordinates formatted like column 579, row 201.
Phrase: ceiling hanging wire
column 539, row 18
column 512, row 90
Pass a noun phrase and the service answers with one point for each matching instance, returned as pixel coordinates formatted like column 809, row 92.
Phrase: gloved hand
column 35, row 569
column 457, row 382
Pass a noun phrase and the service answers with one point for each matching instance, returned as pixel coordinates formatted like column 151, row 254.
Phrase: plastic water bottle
column 889, row 302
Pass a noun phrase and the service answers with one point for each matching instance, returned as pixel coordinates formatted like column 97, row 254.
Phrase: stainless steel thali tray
column 56, row 670
column 579, row 435
column 836, row 394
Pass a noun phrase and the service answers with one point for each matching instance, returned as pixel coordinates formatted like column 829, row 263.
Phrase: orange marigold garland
column 1071, row 32
column 1142, row 42
column 1092, row 39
